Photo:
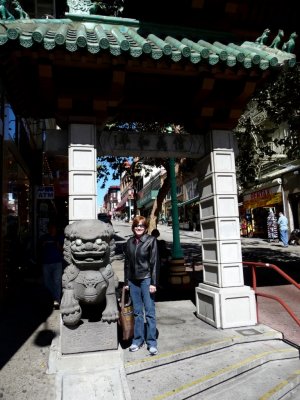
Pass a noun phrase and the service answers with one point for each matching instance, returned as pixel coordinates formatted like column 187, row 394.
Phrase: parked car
column 105, row 218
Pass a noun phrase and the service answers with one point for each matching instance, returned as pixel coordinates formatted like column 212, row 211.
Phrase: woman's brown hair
column 139, row 219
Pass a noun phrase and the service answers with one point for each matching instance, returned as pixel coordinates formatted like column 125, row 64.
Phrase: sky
column 111, row 182
column 101, row 192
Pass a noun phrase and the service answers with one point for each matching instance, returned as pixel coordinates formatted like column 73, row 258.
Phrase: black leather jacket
column 141, row 260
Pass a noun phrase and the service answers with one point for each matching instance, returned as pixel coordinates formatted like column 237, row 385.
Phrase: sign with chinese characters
column 45, row 193
column 263, row 198
column 148, row 144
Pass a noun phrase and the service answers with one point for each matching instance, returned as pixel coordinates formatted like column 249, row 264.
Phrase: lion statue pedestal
column 89, row 310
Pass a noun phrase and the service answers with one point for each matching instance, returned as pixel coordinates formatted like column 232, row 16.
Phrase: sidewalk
column 263, row 243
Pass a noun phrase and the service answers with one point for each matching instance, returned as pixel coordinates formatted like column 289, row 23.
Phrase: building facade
column 276, row 188
column 112, row 199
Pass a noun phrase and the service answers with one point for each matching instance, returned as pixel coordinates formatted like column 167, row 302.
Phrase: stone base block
column 89, row 336
column 218, row 183
column 82, row 362
column 82, row 183
column 222, row 251
column 219, row 206
column 220, row 229
column 217, row 161
column 82, row 207
column 82, row 135
column 223, row 275
column 226, row 307
column 219, row 140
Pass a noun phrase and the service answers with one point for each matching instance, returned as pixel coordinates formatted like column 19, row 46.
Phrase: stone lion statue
column 88, row 277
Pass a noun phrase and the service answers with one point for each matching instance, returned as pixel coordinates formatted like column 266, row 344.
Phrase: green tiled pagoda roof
column 125, row 36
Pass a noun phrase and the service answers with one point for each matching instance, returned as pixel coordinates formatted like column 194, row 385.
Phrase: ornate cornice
column 120, row 36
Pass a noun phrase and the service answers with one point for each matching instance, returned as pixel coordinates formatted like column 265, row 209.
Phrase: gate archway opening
column 87, row 70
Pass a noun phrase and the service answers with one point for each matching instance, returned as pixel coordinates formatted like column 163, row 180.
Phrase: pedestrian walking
column 272, row 227
column 141, row 269
column 283, row 229
column 51, row 248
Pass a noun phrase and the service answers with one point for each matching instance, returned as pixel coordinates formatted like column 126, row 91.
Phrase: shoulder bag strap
column 123, row 298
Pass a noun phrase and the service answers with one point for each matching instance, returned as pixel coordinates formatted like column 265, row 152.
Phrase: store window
column 10, row 124
column 15, row 217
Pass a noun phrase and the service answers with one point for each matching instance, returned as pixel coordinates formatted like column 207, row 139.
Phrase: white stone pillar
column 222, row 300
column 82, row 172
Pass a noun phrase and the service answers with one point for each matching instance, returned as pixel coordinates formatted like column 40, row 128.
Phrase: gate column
column 222, row 300
column 82, row 172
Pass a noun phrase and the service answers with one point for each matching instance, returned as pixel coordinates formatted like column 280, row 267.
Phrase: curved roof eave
column 119, row 36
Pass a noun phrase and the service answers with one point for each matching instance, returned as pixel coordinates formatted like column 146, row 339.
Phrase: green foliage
column 279, row 102
column 109, row 166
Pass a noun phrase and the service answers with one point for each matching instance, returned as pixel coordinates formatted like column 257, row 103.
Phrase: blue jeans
column 143, row 299
column 284, row 236
column 52, row 274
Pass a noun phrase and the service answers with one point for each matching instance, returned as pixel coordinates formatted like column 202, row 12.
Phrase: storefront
column 189, row 214
column 255, row 206
column 34, row 189
column 17, row 199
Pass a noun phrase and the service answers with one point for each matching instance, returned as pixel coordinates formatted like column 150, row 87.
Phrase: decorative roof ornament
column 264, row 37
column 290, row 44
column 276, row 42
column 287, row 47
column 88, row 7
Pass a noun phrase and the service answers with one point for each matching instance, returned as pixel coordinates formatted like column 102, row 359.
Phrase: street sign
column 45, row 192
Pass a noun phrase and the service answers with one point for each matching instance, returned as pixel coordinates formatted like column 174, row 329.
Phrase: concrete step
column 294, row 394
column 190, row 376
column 182, row 335
column 268, row 381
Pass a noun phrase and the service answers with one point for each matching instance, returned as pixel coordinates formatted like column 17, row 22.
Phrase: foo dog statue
column 88, row 277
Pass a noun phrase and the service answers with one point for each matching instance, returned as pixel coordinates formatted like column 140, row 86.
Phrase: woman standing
column 140, row 276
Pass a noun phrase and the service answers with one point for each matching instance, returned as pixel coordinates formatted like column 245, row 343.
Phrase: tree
column 276, row 103
column 109, row 166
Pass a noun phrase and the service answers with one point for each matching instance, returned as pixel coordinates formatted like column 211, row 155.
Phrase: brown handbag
column 126, row 319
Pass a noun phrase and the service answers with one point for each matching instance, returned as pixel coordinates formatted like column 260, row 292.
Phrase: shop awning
column 149, row 197
column 263, row 197
column 190, row 201
column 283, row 169
column 121, row 205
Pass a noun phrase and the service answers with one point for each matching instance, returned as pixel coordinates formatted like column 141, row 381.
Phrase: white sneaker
column 153, row 351
column 134, row 347
column 56, row 305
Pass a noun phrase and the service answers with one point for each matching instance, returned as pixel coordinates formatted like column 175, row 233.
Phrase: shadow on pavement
column 287, row 262
column 26, row 308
